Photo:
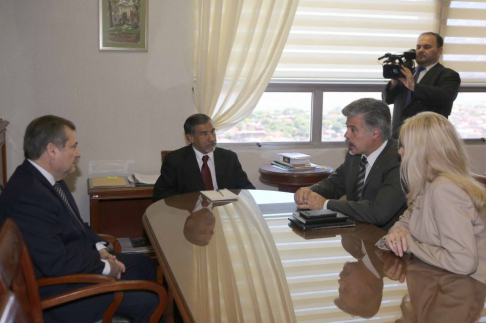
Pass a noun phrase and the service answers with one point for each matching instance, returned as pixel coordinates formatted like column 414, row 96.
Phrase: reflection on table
column 241, row 262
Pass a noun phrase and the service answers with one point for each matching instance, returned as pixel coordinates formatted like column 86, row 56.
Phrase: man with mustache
column 201, row 165
column 370, row 174
column 432, row 88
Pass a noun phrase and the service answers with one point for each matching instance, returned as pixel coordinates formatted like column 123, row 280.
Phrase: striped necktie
column 361, row 178
column 63, row 197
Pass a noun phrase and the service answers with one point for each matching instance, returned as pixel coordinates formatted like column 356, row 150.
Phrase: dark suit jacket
column 383, row 198
column 436, row 92
column 180, row 173
column 57, row 244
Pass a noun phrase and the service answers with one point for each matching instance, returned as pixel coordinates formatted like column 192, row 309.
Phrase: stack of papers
column 220, row 195
column 145, row 179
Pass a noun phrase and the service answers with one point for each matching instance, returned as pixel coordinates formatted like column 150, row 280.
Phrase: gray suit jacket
column 383, row 198
column 436, row 92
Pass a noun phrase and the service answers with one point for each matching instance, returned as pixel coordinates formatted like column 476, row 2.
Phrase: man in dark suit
column 435, row 89
column 201, row 165
column 370, row 175
column 59, row 242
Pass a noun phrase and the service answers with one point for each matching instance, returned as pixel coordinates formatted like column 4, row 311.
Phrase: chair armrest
column 113, row 241
column 75, row 279
column 117, row 287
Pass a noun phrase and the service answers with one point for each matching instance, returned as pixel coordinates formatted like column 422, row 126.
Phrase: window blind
column 464, row 32
column 341, row 40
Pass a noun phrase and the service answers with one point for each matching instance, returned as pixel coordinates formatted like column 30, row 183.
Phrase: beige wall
column 127, row 106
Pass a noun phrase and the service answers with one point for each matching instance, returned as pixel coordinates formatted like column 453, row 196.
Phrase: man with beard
column 433, row 87
column 201, row 165
column 370, row 174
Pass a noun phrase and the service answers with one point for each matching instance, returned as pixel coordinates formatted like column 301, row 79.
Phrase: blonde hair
column 432, row 147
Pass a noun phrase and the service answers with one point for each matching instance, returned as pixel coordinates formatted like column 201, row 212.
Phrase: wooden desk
column 255, row 267
column 292, row 181
column 119, row 211
column 3, row 152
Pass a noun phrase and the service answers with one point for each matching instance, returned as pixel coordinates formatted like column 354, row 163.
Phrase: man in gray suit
column 370, row 174
column 432, row 88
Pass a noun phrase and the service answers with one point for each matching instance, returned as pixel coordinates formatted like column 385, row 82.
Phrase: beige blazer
column 446, row 230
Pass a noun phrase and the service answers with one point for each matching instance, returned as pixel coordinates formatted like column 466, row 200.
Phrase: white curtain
column 239, row 43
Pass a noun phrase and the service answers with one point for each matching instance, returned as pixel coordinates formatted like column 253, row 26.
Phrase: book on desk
column 220, row 195
column 320, row 219
column 110, row 181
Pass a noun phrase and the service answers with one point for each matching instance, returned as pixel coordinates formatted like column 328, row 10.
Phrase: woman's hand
column 396, row 240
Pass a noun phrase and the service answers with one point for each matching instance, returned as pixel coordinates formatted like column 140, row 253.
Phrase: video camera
column 393, row 63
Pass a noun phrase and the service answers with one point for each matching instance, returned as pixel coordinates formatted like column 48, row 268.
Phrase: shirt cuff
column 100, row 246
column 107, row 269
column 325, row 205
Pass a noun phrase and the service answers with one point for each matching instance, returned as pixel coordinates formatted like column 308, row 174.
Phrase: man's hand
column 104, row 254
column 396, row 240
column 301, row 196
column 393, row 83
column 408, row 80
column 116, row 268
column 306, row 199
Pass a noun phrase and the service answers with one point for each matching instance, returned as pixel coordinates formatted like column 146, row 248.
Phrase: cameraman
column 434, row 88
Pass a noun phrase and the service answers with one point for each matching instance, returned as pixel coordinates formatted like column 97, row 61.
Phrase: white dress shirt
column 422, row 73
column 371, row 160
column 199, row 156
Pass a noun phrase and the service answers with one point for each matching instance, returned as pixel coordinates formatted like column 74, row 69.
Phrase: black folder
column 317, row 226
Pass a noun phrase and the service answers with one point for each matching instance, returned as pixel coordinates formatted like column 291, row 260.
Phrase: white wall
column 127, row 106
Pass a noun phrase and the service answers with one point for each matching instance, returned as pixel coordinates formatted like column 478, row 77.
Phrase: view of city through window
column 286, row 117
column 278, row 117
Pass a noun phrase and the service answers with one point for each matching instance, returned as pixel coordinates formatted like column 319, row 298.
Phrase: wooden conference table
column 255, row 268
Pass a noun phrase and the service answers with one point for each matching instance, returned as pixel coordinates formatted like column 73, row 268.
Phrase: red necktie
column 206, row 174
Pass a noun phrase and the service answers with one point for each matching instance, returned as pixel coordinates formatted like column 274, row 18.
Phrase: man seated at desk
column 370, row 174
column 59, row 242
column 201, row 165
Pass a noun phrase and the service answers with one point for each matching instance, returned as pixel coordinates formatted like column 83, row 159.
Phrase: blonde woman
column 442, row 225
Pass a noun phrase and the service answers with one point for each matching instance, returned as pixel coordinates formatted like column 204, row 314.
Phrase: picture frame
column 123, row 25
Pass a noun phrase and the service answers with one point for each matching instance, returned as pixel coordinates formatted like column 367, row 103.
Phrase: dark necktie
column 206, row 173
column 415, row 77
column 361, row 177
column 63, row 197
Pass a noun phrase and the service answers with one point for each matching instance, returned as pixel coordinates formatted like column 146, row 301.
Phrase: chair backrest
column 16, row 271
column 10, row 309
column 164, row 153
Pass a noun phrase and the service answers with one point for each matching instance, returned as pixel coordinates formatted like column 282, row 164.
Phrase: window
column 333, row 121
column 340, row 41
column 331, row 58
column 285, row 114
column 278, row 117
column 469, row 115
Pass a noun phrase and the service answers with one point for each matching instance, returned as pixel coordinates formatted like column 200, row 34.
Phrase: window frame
column 318, row 89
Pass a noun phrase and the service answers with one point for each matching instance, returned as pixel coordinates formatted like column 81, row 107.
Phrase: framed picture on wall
column 123, row 25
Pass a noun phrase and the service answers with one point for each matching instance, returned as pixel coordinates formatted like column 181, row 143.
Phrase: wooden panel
column 119, row 211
